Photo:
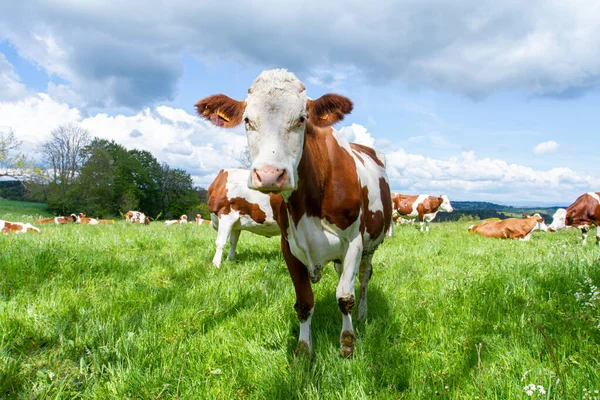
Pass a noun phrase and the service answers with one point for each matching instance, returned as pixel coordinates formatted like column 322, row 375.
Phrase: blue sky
column 480, row 100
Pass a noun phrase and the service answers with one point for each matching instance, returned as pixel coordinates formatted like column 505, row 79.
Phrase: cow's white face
column 275, row 114
column 275, row 121
column 445, row 206
column 541, row 225
column 558, row 220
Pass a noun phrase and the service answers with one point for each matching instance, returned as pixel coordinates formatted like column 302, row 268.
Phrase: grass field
column 123, row 311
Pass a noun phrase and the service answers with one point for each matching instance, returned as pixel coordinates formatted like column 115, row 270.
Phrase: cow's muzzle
column 269, row 179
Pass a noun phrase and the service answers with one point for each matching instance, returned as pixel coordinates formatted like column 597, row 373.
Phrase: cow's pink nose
column 269, row 178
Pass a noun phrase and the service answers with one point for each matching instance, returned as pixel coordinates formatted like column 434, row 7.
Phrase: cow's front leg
column 305, row 301
column 584, row 233
column 226, row 222
column 345, row 295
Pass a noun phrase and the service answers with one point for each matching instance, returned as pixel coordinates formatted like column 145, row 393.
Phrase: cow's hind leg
column 345, row 295
column 584, row 233
column 234, row 236
column 225, row 226
column 365, row 272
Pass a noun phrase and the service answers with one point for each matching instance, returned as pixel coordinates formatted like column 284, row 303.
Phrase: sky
column 479, row 100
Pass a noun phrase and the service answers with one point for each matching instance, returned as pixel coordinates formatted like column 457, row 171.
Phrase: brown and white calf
column 337, row 203
column 17, row 227
column 235, row 208
column 201, row 221
column 82, row 219
column 137, row 217
column 56, row 220
column 182, row 220
column 422, row 207
column 511, row 228
column 583, row 214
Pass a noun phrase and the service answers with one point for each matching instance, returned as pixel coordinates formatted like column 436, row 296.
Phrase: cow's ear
column 328, row 109
column 221, row 110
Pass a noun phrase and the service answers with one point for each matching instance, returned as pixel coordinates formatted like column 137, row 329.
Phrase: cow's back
column 584, row 211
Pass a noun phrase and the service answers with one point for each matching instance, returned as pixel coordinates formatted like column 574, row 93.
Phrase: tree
column 65, row 152
column 13, row 164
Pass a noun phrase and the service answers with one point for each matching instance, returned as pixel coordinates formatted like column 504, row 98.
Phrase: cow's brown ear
column 221, row 110
column 328, row 109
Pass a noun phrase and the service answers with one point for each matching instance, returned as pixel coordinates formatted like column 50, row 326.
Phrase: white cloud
column 11, row 87
column 545, row 147
column 356, row 133
column 109, row 57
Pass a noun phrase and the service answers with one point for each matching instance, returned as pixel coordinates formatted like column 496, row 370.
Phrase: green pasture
column 138, row 312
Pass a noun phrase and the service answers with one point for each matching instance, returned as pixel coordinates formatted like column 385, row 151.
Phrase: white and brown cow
column 84, row 220
column 182, row 220
column 337, row 202
column 422, row 207
column 510, row 228
column 235, row 208
column 137, row 217
column 56, row 220
column 17, row 227
column 583, row 214
column 201, row 221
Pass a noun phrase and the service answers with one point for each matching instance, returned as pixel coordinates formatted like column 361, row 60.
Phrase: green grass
column 123, row 311
column 19, row 211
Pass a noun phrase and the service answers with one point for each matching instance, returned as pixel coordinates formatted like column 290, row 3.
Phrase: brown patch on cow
column 347, row 342
column 10, row 227
column 217, row 195
column 45, row 221
column 327, row 191
column 346, row 303
column 359, row 148
column 328, row 109
column 429, row 205
column 253, row 210
column 373, row 221
column 386, row 199
column 221, row 110
column 403, row 203
column 305, row 300
column 583, row 212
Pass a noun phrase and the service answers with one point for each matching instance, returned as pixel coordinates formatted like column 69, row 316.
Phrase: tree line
column 99, row 177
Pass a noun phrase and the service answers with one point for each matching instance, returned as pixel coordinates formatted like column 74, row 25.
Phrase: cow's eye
column 247, row 120
column 301, row 120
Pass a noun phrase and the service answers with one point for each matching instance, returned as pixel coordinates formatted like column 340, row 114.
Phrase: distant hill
column 478, row 210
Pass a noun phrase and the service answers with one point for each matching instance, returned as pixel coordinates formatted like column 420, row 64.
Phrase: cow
column 235, row 208
column 56, row 220
column 17, row 227
column 201, row 221
column 137, row 217
column 422, row 207
column 82, row 219
column 583, row 214
column 182, row 220
column 336, row 196
column 510, row 228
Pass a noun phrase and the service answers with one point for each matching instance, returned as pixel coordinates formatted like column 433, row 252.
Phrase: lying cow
column 201, row 221
column 583, row 214
column 137, row 217
column 336, row 196
column 422, row 207
column 235, row 208
column 83, row 219
column 56, row 220
column 17, row 227
column 511, row 228
column 182, row 220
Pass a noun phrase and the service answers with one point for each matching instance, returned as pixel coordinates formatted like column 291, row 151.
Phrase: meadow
column 124, row 311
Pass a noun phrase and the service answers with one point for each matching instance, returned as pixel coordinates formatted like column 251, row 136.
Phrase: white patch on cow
column 56, row 221
column 93, row 221
column 276, row 101
column 225, row 225
column 305, row 335
column 595, row 196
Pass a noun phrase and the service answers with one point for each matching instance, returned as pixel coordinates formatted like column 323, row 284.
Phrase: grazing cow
column 235, row 208
column 422, row 207
column 583, row 214
column 56, row 220
column 511, row 228
column 202, row 221
column 336, row 197
column 182, row 220
column 17, row 227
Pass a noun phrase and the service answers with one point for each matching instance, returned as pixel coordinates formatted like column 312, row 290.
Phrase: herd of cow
column 329, row 199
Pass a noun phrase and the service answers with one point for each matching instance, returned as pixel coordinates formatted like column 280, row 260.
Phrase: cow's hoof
column 303, row 348
column 347, row 341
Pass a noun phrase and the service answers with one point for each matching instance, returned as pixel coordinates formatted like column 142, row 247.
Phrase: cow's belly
column 268, row 228
column 315, row 242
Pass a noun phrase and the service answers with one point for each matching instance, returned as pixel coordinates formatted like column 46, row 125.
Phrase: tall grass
column 123, row 311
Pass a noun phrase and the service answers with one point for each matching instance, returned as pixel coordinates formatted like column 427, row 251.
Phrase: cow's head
column 445, row 206
column 558, row 220
column 540, row 224
column 276, row 114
